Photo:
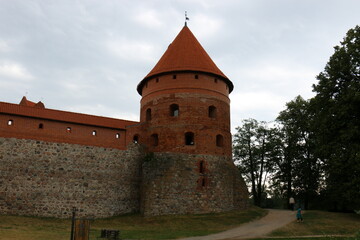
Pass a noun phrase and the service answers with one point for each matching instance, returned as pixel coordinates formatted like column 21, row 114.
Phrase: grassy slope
column 131, row 226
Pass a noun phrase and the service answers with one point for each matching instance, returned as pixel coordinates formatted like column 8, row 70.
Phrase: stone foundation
column 49, row 179
column 187, row 184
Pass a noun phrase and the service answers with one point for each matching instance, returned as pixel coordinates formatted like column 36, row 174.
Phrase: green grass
column 170, row 227
column 131, row 226
column 323, row 223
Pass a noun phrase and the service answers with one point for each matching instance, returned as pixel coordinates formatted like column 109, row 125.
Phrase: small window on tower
column 157, row 80
column 10, row 122
column 94, row 133
column 201, row 167
column 174, row 76
column 196, row 76
column 189, row 138
column 68, row 129
column 136, row 138
column 174, row 110
column 203, row 182
column 117, row 136
column 41, row 126
column 212, row 112
column 155, row 139
column 148, row 114
column 219, row 140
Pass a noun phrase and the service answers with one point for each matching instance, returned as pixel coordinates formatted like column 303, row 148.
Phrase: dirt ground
column 273, row 220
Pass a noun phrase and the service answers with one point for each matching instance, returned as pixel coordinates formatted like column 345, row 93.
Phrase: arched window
column 174, row 110
column 154, row 139
column 41, row 126
column 10, row 122
column 148, row 114
column 212, row 112
column 189, row 138
column 117, row 136
column 68, row 129
column 136, row 138
column 219, row 140
column 94, row 132
column 196, row 76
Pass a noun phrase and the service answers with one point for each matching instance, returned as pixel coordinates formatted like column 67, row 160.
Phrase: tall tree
column 253, row 146
column 300, row 167
column 336, row 109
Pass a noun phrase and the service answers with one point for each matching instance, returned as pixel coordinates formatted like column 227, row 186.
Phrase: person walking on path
column 292, row 203
column 299, row 215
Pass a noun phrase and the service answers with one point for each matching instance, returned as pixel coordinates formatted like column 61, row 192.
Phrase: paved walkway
column 273, row 220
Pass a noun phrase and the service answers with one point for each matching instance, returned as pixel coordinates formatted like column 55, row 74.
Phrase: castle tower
column 185, row 125
column 185, row 103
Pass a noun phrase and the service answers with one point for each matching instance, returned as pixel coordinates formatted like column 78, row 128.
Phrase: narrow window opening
column 68, row 129
column 196, row 76
column 189, row 138
column 117, row 136
column 157, row 80
column 201, row 167
column 203, row 182
column 136, row 139
column 148, row 114
column 41, row 126
column 10, row 122
column 94, row 133
column 215, row 80
column 219, row 140
column 155, row 139
column 174, row 76
column 174, row 110
column 212, row 112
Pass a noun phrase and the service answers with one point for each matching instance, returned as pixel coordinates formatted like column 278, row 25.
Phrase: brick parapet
column 23, row 127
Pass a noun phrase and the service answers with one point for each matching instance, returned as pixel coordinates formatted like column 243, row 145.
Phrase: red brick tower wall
column 203, row 109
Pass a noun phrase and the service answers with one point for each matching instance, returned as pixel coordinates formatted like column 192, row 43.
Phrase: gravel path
column 273, row 220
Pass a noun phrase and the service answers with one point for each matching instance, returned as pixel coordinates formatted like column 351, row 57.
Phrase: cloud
column 148, row 18
column 260, row 100
column 131, row 50
column 212, row 23
column 4, row 47
column 14, row 70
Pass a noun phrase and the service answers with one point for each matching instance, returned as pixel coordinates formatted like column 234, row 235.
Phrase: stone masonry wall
column 49, row 179
column 174, row 183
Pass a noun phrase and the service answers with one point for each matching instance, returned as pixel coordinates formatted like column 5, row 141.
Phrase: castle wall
column 174, row 183
column 49, row 179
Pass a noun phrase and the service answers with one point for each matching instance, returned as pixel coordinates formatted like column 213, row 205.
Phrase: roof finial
column 186, row 18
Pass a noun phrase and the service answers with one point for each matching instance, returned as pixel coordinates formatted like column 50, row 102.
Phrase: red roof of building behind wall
column 185, row 53
column 70, row 117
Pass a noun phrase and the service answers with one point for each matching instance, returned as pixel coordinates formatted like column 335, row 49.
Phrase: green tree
column 299, row 168
column 336, row 109
column 253, row 144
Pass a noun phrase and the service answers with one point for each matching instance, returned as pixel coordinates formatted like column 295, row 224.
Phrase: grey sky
column 89, row 55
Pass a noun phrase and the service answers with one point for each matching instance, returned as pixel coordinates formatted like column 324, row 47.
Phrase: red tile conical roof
column 185, row 53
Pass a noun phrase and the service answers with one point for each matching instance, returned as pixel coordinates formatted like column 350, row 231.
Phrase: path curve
column 273, row 220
